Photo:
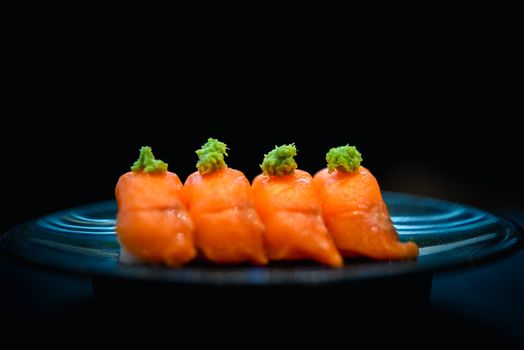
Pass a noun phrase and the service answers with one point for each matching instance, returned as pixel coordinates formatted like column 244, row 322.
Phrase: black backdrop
column 428, row 94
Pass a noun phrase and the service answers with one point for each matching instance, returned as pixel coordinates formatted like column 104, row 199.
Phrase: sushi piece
column 290, row 209
column 354, row 210
column 153, row 224
column 227, row 227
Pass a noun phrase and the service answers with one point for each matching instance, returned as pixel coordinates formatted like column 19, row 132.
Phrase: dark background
column 429, row 95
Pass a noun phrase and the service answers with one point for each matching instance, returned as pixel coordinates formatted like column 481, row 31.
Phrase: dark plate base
column 402, row 293
column 374, row 312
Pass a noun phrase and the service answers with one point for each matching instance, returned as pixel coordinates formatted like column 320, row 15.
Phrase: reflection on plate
column 83, row 240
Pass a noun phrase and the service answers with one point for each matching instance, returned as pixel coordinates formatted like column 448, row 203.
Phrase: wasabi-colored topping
column 211, row 156
column 344, row 158
column 147, row 163
column 280, row 161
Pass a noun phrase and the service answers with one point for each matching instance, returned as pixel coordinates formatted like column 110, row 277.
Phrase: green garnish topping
column 344, row 158
column 147, row 163
column 211, row 156
column 280, row 160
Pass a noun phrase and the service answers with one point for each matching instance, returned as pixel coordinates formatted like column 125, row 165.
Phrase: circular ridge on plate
column 82, row 220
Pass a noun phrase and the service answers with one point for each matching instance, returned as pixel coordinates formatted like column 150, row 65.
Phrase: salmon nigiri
column 289, row 207
column 227, row 227
column 153, row 223
column 354, row 210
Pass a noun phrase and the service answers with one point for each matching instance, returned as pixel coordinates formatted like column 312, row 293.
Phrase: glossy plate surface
column 83, row 240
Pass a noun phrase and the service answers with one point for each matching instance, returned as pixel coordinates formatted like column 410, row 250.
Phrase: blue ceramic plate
column 83, row 240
